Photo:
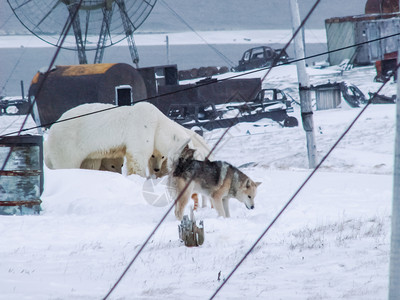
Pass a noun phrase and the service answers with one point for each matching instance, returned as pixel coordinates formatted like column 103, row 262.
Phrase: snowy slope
column 331, row 243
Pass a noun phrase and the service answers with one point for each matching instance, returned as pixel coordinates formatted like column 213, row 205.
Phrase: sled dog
column 217, row 180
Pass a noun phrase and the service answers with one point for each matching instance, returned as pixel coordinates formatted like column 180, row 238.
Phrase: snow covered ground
column 332, row 242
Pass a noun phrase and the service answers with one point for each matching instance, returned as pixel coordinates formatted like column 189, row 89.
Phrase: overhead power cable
column 212, row 82
column 226, row 59
column 6, row 21
column 12, row 71
column 298, row 190
column 191, row 179
column 225, row 132
column 67, row 27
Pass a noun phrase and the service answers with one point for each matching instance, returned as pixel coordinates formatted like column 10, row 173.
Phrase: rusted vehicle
column 269, row 103
column 260, row 57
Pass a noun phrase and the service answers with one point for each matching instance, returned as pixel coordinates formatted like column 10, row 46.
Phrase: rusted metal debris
column 20, row 173
column 191, row 234
column 27, row 203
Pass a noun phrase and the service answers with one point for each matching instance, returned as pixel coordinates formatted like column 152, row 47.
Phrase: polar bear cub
column 105, row 164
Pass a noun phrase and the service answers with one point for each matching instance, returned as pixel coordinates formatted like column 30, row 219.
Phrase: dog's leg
column 225, row 202
column 217, row 202
column 183, row 199
column 204, row 201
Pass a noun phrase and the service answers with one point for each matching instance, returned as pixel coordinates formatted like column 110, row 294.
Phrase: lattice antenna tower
column 99, row 23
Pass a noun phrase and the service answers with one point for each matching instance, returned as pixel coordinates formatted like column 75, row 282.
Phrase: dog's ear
column 190, row 153
column 247, row 183
column 257, row 183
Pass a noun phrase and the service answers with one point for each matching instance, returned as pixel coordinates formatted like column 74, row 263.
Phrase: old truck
column 269, row 103
column 260, row 57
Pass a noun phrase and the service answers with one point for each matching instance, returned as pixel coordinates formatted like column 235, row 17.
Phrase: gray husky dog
column 217, row 180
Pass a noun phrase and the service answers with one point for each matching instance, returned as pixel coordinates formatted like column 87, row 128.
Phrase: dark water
column 23, row 63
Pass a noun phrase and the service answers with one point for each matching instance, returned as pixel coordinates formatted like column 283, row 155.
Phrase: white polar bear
column 134, row 130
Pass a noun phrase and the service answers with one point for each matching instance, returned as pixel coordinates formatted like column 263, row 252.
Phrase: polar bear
column 105, row 164
column 106, row 129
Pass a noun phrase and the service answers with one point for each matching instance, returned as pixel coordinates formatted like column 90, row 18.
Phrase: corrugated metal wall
column 342, row 32
column 340, row 35
column 374, row 29
column 327, row 96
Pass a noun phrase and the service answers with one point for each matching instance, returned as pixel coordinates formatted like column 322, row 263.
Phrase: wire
column 67, row 27
column 298, row 190
column 161, row 221
column 212, row 82
column 6, row 21
column 11, row 124
column 225, row 132
column 12, row 71
column 226, row 59
column 207, row 157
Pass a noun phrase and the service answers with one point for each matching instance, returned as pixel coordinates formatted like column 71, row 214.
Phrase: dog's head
column 157, row 164
column 247, row 192
column 112, row 164
column 187, row 153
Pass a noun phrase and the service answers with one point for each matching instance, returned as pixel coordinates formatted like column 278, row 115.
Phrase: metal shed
column 327, row 96
column 69, row 86
column 348, row 31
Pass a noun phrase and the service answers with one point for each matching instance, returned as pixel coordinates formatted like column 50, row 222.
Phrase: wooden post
column 22, row 90
column 304, row 88
column 394, row 267
column 167, row 42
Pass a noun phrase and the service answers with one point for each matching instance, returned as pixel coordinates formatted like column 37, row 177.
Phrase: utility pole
column 304, row 88
column 167, row 42
column 394, row 267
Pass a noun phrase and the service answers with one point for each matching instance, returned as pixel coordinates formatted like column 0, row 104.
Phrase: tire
column 290, row 122
column 352, row 94
column 269, row 53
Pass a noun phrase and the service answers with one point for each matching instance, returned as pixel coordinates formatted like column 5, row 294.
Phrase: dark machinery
column 269, row 103
column 207, row 104
column 260, row 57
column 13, row 106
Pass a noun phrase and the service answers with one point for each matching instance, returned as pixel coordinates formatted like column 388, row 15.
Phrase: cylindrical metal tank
column 21, row 174
column 68, row 86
